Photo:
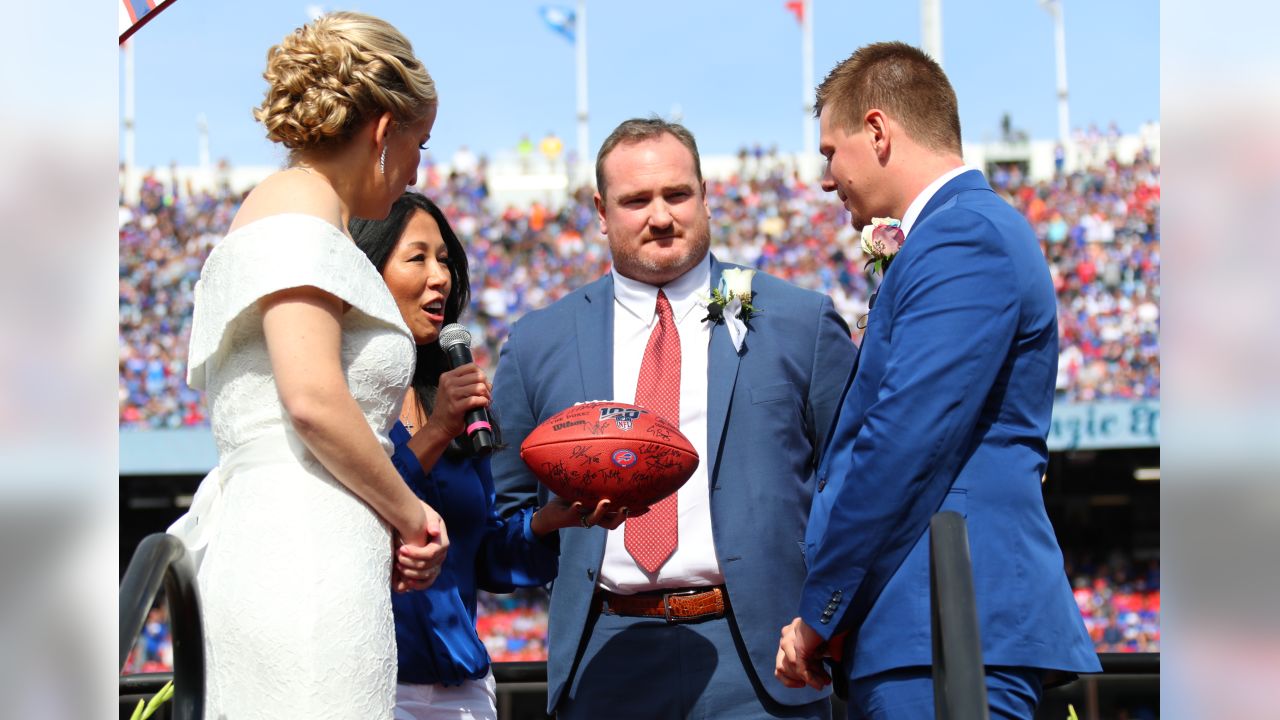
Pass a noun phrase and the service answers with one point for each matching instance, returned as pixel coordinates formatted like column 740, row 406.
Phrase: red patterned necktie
column 652, row 537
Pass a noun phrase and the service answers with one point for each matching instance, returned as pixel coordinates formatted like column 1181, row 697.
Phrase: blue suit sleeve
column 510, row 555
column 833, row 356
column 954, row 316
column 516, row 487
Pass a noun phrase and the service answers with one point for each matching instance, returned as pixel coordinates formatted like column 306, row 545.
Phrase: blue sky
column 731, row 67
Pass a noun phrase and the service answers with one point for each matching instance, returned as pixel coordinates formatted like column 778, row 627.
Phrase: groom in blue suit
column 948, row 410
column 689, row 630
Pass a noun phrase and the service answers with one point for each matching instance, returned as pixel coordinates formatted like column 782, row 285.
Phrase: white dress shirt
column 634, row 318
column 917, row 206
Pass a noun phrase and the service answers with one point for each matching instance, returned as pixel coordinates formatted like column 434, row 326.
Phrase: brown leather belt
column 675, row 606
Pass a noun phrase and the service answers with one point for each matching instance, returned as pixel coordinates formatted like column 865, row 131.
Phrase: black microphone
column 455, row 340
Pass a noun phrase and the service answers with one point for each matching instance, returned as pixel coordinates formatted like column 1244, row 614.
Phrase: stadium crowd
column 1119, row 598
column 153, row 650
column 513, row 627
column 1098, row 228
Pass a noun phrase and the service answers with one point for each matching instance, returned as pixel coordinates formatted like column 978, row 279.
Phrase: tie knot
column 664, row 307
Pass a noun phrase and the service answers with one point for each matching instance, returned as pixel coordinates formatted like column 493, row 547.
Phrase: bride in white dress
column 305, row 359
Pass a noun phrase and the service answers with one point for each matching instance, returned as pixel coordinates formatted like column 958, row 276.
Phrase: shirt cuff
column 550, row 541
column 526, row 521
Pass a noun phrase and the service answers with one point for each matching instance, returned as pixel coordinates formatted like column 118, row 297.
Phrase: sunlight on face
column 656, row 214
column 417, row 273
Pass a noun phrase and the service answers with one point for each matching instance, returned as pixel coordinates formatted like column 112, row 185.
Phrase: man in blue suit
column 948, row 410
column 674, row 613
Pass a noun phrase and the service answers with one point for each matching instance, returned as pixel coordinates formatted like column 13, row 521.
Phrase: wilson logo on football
column 624, row 458
column 621, row 416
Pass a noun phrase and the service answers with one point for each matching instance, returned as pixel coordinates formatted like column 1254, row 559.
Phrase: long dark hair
column 378, row 239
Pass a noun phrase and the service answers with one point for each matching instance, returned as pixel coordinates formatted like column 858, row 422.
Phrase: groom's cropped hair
column 901, row 80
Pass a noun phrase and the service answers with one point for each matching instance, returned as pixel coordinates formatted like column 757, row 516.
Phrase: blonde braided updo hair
column 329, row 77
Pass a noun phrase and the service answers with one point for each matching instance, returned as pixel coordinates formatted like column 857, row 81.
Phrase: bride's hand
column 420, row 553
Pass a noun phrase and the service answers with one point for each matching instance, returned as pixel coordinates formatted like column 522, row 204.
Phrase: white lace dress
column 295, row 580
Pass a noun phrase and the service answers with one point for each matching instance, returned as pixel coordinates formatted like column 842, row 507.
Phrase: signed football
column 598, row 450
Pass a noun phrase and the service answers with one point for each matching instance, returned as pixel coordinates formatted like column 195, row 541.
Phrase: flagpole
column 1054, row 8
column 806, row 51
column 580, row 46
column 130, row 173
column 931, row 28
column 206, row 159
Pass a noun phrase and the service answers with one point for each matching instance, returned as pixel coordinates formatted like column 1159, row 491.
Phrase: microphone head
column 454, row 334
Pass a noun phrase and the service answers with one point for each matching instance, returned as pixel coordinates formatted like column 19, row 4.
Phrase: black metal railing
column 959, row 683
column 513, row 674
column 162, row 560
column 1147, row 663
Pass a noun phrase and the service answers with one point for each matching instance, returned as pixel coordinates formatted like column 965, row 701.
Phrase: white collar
column 917, row 206
column 683, row 293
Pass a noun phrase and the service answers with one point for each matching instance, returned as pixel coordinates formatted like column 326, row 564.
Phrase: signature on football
column 583, row 454
column 659, row 432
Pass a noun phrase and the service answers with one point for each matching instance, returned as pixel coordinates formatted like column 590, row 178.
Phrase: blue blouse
column 436, row 635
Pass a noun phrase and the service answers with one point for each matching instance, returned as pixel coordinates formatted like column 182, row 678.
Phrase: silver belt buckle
column 666, row 602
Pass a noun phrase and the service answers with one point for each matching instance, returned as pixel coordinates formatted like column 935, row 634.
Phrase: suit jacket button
column 591, row 574
column 821, row 484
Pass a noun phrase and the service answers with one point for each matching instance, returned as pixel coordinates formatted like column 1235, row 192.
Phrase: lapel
column 595, row 339
column 722, row 375
column 594, row 319
column 969, row 180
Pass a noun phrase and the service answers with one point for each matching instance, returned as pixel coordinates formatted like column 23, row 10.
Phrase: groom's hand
column 800, row 652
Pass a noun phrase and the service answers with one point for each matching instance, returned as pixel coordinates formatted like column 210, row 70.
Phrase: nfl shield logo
column 622, row 416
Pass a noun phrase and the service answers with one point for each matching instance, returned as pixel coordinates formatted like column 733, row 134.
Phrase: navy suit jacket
column 768, row 410
column 949, row 410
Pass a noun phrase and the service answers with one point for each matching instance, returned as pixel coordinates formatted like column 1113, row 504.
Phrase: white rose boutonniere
column 882, row 238
column 737, row 282
column 731, row 303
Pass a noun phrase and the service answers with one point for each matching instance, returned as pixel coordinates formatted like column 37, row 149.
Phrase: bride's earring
column 382, row 161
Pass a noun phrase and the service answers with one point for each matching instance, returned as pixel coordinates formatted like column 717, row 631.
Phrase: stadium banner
column 184, row 451
column 1102, row 425
column 1105, row 424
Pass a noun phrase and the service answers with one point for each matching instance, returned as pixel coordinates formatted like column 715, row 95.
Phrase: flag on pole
column 559, row 19
column 796, row 7
column 136, row 13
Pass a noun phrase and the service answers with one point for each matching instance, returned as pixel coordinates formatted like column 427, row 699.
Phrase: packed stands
column 1120, row 602
column 1099, row 230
